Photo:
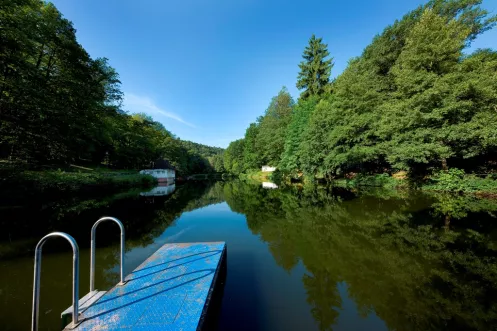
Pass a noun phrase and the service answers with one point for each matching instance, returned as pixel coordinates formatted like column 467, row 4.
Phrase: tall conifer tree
column 315, row 70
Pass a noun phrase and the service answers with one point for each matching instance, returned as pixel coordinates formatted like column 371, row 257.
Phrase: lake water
column 299, row 258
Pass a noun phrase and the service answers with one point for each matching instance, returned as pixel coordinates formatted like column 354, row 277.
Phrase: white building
column 268, row 169
column 162, row 175
column 159, row 191
column 162, row 170
column 269, row 185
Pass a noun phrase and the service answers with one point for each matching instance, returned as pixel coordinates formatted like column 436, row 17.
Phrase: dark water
column 300, row 258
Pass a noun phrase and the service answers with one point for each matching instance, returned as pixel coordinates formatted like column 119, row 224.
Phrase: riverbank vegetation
column 59, row 106
column 260, row 176
column 456, row 180
column 31, row 183
column 417, row 100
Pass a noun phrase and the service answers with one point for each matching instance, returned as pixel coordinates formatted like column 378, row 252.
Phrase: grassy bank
column 380, row 180
column 62, row 182
column 453, row 180
column 257, row 175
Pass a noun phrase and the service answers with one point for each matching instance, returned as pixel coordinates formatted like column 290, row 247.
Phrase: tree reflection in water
column 396, row 251
column 418, row 261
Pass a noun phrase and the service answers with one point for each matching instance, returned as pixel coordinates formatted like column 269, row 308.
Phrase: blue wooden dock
column 171, row 290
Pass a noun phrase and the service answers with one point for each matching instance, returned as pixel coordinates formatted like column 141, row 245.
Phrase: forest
column 416, row 101
column 59, row 106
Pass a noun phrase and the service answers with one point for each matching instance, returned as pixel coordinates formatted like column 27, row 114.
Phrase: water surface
column 299, row 258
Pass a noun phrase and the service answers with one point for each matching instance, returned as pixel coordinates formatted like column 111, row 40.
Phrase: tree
column 233, row 157
column 218, row 162
column 418, row 122
column 315, row 70
column 251, row 156
column 411, row 101
column 39, row 49
column 444, row 99
column 272, row 129
column 290, row 159
column 59, row 106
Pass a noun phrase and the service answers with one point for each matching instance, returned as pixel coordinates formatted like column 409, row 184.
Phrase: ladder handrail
column 93, row 245
column 37, row 275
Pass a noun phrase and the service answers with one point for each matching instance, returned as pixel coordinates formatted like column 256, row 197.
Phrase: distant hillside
column 202, row 150
column 211, row 158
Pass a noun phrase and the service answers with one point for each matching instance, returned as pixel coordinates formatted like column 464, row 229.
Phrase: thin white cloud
column 137, row 104
column 223, row 143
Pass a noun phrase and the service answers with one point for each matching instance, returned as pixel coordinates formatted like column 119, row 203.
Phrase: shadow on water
column 308, row 257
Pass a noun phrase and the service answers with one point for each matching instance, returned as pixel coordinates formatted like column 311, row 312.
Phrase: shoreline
column 444, row 183
column 56, row 182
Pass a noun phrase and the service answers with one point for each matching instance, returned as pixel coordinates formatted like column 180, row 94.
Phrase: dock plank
column 169, row 291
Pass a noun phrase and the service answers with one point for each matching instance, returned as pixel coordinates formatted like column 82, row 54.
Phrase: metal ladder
column 75, row 280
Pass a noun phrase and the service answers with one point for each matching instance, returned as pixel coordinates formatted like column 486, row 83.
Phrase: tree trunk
column 40, row 57
column 11, row 152
column 444, row 164
column 50, row 63
column 447, row 223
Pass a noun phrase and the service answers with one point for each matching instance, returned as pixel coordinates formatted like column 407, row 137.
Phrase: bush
column 380, row 180
column 276, row 177
column 60, row 182
column 456, row 180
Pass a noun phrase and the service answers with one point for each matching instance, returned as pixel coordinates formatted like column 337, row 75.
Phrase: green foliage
column 217, row 162
column 414, row 107
column 456, row 180
column 60, row 183
column 291, row 157
column 264, row 141
column 422, row 121
column 199, row 149
column 380, row 180
column 251, row 155
column 60, row 106
column 457, row 206
column 194, row 158
column 53, row 96
column 276, row 177
column 314, row 137
column 270, row 140
column 315, row 70
column 413, row 101
column 233, row 157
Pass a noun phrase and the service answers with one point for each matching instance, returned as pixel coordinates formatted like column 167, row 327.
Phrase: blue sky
column 207, row 69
